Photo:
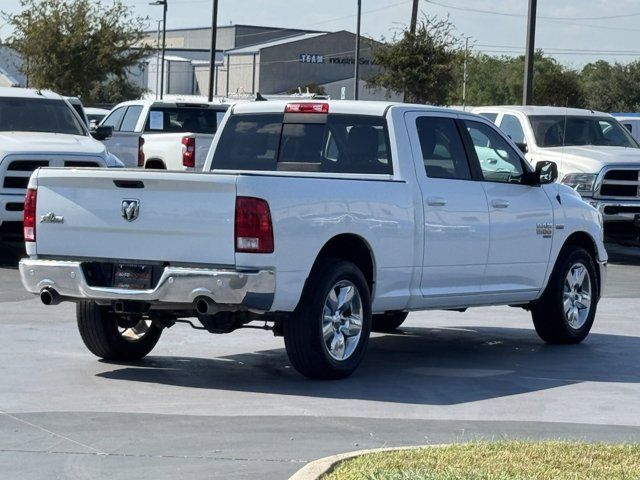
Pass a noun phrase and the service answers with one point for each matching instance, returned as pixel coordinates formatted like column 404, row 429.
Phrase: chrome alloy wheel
column 342, row 320
column 576, row 296
column 136, row 332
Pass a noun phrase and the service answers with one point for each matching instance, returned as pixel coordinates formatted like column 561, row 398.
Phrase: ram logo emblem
column 130, row 209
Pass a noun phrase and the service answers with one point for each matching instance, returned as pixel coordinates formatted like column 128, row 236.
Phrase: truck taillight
column 140, row 152
column 254, row 230
column 29, row 223
column 189, row 151
column 306, row 107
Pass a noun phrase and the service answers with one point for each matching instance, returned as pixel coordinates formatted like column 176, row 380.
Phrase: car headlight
column 581, row 182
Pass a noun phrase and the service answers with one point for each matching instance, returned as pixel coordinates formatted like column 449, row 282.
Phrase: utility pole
column 414, row 17
column 158, row 60
column 212, row 53
column 164, row 41
column 527, row 94
column 356, row 74
column 464, row 72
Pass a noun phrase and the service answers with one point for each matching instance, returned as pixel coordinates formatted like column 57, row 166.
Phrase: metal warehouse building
column 254, row 59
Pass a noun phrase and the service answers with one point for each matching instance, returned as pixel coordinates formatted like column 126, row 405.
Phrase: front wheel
column 111, row 337
column 566, row 310
column 327, row 335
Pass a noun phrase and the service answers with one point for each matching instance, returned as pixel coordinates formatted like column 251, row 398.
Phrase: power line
column 507, row 14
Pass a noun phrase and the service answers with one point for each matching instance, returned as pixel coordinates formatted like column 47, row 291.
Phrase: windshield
column 38, row 115
column 560, row 130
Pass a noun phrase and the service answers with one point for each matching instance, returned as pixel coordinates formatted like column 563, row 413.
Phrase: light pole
column 158, row 60
column 164, row 39
column 527, row 94
column 212, row 54
column 356, row 72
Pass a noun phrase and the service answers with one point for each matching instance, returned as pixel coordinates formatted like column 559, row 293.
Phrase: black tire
column 549, row 317
column 303, row 330
column 98, row 328
column 388, row 321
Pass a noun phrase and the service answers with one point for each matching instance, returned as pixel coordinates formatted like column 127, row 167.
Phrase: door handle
column 436, row 202
column 499, row 203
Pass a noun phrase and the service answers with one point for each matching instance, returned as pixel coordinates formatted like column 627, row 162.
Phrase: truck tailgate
column 182, row 217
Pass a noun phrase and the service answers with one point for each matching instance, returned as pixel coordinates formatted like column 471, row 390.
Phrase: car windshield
column 38, row 115
column 560, row 130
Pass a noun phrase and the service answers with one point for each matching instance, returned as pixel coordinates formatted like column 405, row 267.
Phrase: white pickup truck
column 595, row 154
column 163, row 134
column 325, row 220
column 38, row 129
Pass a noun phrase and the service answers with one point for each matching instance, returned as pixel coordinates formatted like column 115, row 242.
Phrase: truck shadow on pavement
column 432, row 366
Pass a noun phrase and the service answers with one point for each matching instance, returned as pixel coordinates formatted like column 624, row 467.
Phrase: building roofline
column 186, row 29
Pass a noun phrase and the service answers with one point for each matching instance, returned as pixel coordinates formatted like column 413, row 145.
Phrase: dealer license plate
column 132, row 277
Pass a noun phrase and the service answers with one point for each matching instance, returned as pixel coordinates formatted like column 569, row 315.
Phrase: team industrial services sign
column 325, row 59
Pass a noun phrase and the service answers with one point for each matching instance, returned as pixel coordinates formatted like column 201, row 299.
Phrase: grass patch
column 496, row 461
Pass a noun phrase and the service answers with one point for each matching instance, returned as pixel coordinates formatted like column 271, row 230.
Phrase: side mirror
column 522, row 146
column 546, row 172
column 102, row 132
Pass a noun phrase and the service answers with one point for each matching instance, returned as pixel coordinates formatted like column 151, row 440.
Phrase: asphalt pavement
column 207, row 406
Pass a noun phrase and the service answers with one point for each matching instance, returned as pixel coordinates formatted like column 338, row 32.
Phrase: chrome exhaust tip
column 204, row 305
column 48, row 296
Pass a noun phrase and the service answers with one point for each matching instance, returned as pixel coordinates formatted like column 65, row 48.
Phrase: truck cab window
column 130, row 119
column 114, row 118
column 342, row 144
column 442, row 150
column 512, row 127
column 498, row 161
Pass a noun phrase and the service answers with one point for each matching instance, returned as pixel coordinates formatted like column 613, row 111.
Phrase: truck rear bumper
column 177, row 285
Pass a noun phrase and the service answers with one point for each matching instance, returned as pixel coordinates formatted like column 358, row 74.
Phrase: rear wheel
column 327, row 335
column 113, row 337
column 388, row 321
column 565, row 312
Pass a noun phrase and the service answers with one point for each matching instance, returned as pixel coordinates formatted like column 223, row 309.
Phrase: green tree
column 77, row 47
column 499, row 81
column 422, row 65
column 612, row 87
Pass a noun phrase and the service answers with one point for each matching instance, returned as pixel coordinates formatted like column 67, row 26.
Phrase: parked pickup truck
column 38, row 129
column 163, row 134
column 596, row 156
column 325, row 220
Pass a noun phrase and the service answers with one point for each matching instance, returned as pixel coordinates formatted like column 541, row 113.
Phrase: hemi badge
column 51, row 218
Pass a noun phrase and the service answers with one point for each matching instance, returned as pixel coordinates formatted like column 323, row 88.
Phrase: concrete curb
column 317, row 468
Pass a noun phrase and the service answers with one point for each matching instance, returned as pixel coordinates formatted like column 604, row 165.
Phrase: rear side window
column 442, row 149
column 130, row 119
column 322, row 143
column 183, row 119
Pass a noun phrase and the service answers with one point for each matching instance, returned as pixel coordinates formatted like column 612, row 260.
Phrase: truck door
column 124, row 142
column 521, row 216
column 456, row 217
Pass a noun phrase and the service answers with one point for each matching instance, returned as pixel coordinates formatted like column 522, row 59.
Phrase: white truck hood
column 44, row 142
column 590, row 159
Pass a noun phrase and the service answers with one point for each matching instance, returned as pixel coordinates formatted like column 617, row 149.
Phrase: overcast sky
column 573, row 31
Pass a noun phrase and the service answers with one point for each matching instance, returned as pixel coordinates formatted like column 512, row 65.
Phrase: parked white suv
column 324, row 221
column 596, row 156
column 163, row 134
column 39, row 129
